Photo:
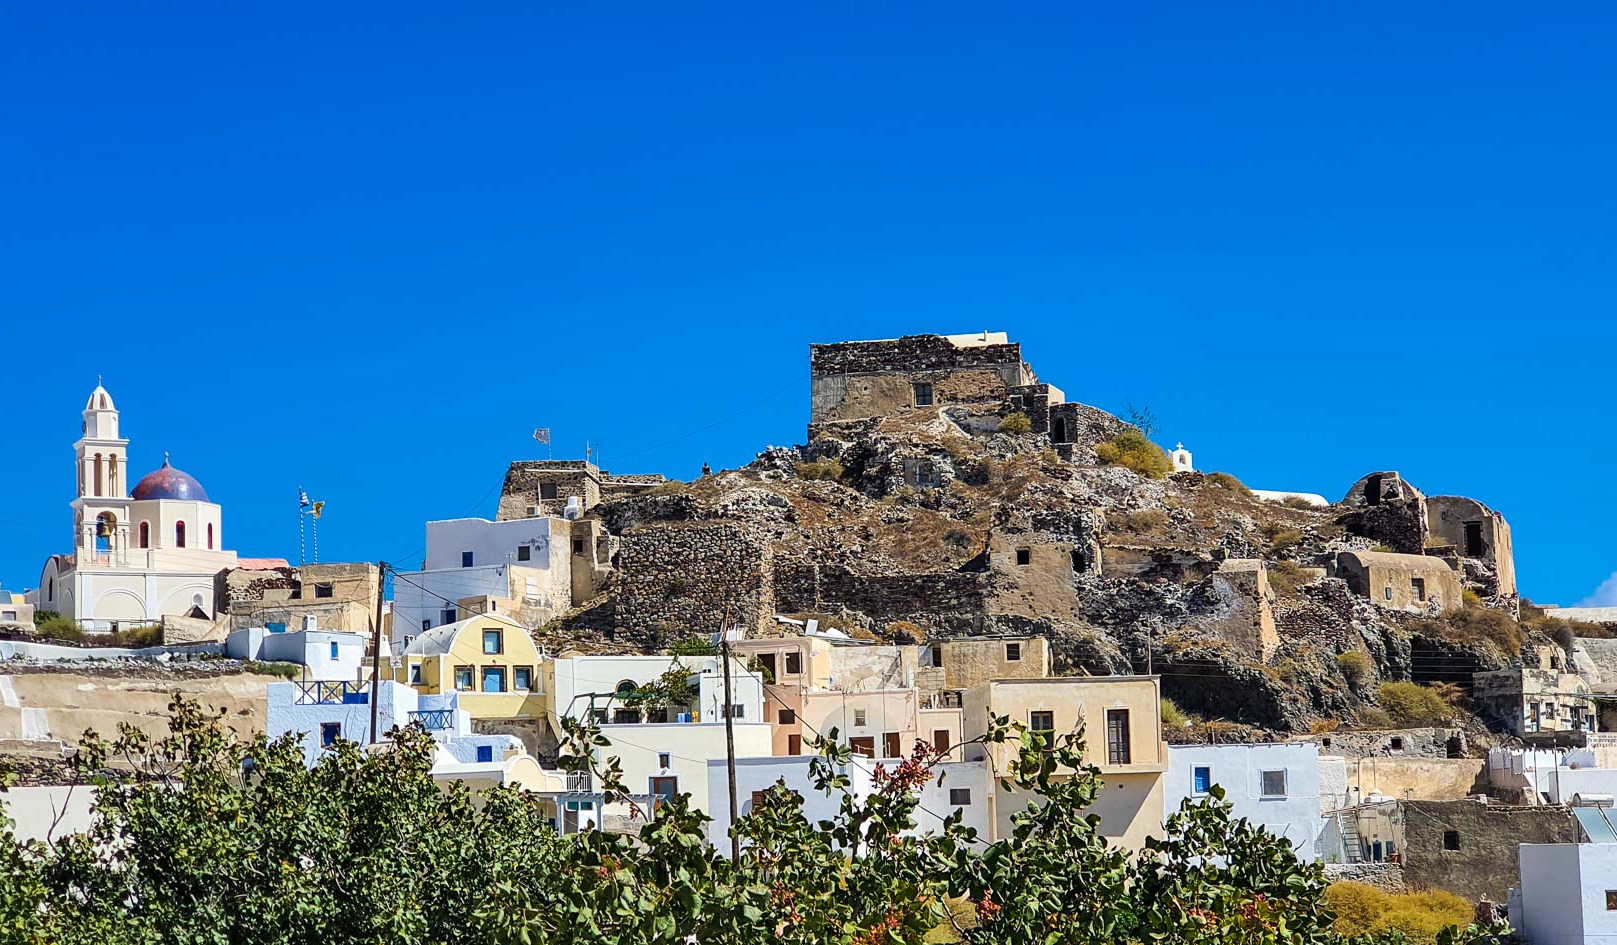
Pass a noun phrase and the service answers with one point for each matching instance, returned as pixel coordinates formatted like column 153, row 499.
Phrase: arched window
column 50, row 590
column 98, row 475
column 179, row 534
column 112, row 475
column 210, row 536
column 145, row 534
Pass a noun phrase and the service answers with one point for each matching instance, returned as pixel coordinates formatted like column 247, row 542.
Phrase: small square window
column 485, row 753
column 737, row 710
column 463, row 678
column 1396, row 743
column 524, row 553
column 491, row 642
column 1611, row 900
column 664, row 759
column 960, row 796
column 329, row 733
column 323, row 590
column 794, row 663
column 547, row 490
column 415, row 674
column 787, row 717
column 1013, row 652
column 1451, row 839
column 859, row 717
column 1041, row 721
column 426, row 623
column 522, row 678
column 450, row 615
column 1024, row 556
column 1418, row 586
column 578, row 546
column 465, row 559
column 1201, row 779
column 1388, row 592
column 923, row 395
column 1273, row 783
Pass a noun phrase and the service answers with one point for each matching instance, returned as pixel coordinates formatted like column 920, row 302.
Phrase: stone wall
column 801, row 586
column 1384, row 876
column 860, row 379
column 1380, row 743
column 675, row 579
column 1487, row 836
column 1385, row 509
column 1243, row 611
column 520, row 494
column 910, row 353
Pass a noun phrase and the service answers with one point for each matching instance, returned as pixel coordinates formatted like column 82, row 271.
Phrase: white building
column 1551, row 776
column 524, row 563
column 1274, row 786
column 1181, row 459
column 959, row 785
column 138, row 554
column 326, row 655
column 1568, row 891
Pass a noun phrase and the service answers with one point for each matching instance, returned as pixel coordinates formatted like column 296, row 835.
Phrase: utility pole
column 730, row 736
column 376, row 645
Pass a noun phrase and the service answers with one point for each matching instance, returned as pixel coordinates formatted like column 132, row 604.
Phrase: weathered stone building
column 1469, row 847
column 1244, row 617
column 1477, row 534
column 858, row 379
column 1388, row 510
column 1409, row 582
column 1544, row 701
column 341, row 597
column 676, row 579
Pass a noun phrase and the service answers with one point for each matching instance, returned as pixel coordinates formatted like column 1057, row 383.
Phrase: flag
column 542, row 434
column 303, row 498
column 317, row 507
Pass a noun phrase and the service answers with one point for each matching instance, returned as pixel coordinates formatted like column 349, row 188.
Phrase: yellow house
column 1121, row 717
column 489, row 659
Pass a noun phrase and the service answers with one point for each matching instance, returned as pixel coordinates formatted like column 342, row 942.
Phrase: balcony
column 435, row 720
column 942, row 699
column 332, row 693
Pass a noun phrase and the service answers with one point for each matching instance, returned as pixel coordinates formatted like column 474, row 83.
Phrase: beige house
column 961, row 664
column 1538, row 701
column 15, row 612
column 1121, row 719
column 1415, row 583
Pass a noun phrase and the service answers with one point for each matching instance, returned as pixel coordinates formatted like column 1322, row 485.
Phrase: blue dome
column 169, row 483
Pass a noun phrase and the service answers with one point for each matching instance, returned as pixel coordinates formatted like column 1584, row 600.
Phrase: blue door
column 494, row 679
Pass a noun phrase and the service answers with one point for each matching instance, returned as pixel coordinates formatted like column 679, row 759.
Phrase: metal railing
column 943, row 699
column 332, row 693
column 435, row 720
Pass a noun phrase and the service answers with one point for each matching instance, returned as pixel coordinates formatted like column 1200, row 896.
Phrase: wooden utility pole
column 376, row 646
column 730, row 736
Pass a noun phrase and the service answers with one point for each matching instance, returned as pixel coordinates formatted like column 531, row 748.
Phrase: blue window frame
column 333, row 649
column 329, row 733
column 1201, row 779
column 494, row 679
column 465, row 559
column 485, row 753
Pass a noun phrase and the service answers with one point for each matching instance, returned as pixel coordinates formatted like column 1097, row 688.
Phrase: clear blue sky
column 369, row 249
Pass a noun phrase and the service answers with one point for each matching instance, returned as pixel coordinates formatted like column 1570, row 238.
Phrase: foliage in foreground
column 228, row 840
column 1420, row 916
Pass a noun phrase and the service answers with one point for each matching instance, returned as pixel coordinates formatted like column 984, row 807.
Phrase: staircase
column 1352, row 846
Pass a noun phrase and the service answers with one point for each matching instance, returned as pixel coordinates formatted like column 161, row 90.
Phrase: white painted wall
column 1563, row 892
column 52, row 652
column 691, row 747
column 489, row 542
column 1238, row 769
column 35, row 810
column 395, row 702
column 419, row 597
column 308, row 648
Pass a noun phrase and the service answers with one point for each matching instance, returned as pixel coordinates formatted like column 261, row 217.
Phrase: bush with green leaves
column 827, row 469
column 1227, row 482
column 1131, row 450
column 1016, row 423
column 1355, row 665
column 53, row 626
column 224, row 839
column 1410, row 704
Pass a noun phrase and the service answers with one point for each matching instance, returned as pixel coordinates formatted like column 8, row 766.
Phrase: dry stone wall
column 676, row 579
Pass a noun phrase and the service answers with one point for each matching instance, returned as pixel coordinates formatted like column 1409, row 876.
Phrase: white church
column 138, row 554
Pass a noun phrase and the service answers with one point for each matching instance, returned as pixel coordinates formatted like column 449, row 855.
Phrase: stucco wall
column 69, row 703
column 1435, row 779
column 1488, row 835
column 49, row 812
column 1238, row 769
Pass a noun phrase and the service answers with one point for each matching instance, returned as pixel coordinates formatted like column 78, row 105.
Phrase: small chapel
column 138, row 554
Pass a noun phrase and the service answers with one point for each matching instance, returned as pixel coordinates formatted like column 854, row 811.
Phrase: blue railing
column 435, row 720
column 333, row 693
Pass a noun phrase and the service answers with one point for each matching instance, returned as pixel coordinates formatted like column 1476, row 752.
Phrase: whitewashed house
column 1275, row 786
column 324, row 654
column 518, row 564
column 1568, row 891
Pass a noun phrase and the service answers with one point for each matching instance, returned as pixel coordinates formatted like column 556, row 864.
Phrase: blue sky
column 367, row 249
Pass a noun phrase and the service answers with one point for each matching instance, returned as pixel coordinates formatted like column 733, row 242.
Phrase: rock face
column 917, row 511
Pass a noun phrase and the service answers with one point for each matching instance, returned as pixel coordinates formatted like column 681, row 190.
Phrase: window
column 891, row 746
column 794, row 744
column 1013, row 652
column 522, row 678
column 664, row 759
column 923, row 395
column 1201, row 779
column 940, row 741
column 859, row 717
column 1397, row 743
column 1418, row 586
column 1451, row 839
column 1611, row 900
column 578, row 546
column 334, row 649
column 1117, row 737
column 210, row 536
column 485, row 753
column 1388, row 592
column 8, row 615
column 530, row 589
column 323, row 590
column 463, row 678
column 1041, row 721
column 547, row 490
column 1024, row 556
column 1272, row 783
column 960, row 796
column 494, row 679
column 936, row 650
column 450, row 614
column 794, row 663
column 465, row 559
column 179, row 534
column 864, row 745
column 491, row 642
column 524, row 552
column 787, row 717
column 737, row 711
column 145, row 534
column 767, row 662
column 329, row 733
column 415, row 674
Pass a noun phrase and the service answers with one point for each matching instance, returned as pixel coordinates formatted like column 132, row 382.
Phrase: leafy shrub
column 1408, row 704
column 694, row 645
column 1173, row 716
column 1131, row 450
column 1355, row 666
column 53, row 626
column 1470, row 598
column 826, row 469
column 1420, row 916
column 1372, row 718
column 1017, row 423
column 283, row 670
column 1224, row 480
column 1480, row 625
